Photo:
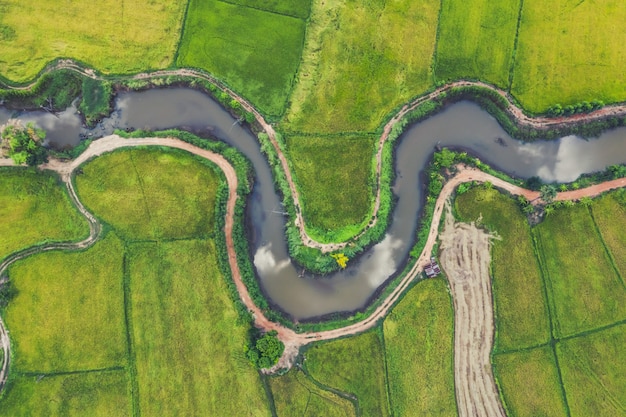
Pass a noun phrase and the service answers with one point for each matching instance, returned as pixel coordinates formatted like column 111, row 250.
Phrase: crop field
column 569, row 51
column 141, row 196
column 476, row 40
column 593, row 372
column 296, row 395
column 334, row 177
column 98, row 394
column 353, row 73
column 607, row 212
column 114, row 37
column 35, row 208
column 181, row 311
column 294, row 8
column 419, row 347
column 520, row 305
column 585, row 291
column 255, row 52
column 68, row 314
column 529, row 383
column 354, row 365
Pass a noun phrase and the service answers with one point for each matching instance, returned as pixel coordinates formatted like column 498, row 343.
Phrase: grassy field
column 529, row 383
column 419, row 348
column 296, row 395
column 584, row 289
column 115, row 37
column 187, row 343
column 255, row 52
column 354, row 365
column 569, row 51
column 295, row 8
column 68, row 314
column 35, row 208
column 335, row 181
column 141, row 194
column 361, row 60
column 476, row 40
column 593, row 371
column 607, row 212
column 520, row 306
column 95, row 394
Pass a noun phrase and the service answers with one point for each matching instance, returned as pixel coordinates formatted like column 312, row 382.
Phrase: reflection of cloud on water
column 381, row 264
column 266, row 263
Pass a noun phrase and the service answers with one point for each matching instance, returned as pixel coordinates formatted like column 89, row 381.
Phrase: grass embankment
column 255, row 52
column 112, row 36
column 296, row 395
column 520, row 305
column 476, row 40
column 35, row 208
column 419, row 334
column 584, row 289
column 333, row 174
column 362, row 59
column 569, row 52
column 354, row 365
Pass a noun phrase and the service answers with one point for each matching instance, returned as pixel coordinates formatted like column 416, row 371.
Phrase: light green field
column 520, row 306
column 295, row 8
column 187, row 343
column 585, row 291
column 570, row 51
column 607, row 213
column 112, row 36
column 529, row 383
column 296, row 395
column 255, row 52
column 141, row 194
column 476, row 40
column 419, row 348
column 593, row 370
column 68, row 314
column 354, row 365
column 94, row 394
column 362, row 59
column 333, row 175
column 35, row 208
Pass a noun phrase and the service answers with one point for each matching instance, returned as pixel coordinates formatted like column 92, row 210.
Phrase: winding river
column 461, row 125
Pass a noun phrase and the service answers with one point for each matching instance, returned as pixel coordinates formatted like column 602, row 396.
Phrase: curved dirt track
column 517, row 113
column 465, row 258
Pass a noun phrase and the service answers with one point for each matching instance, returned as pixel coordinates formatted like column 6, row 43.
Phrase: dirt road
column 465, row 259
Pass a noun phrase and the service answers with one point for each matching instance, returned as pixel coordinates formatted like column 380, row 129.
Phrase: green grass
column 419, row 347
column 255, row 52
column 295, row 8
column 96, row 100
column 114, row 37
column 138, row 192
column 607, row 213
column 68, row 314
column 35, row 208
column 529, row 383
column 333, row 175
column 593, row 371
column 585, row 291
column 354, row 365
column 296, row 395
column 570, row 51
column 476, row 40
column 520, row 307
column 186, row 337
column 84, row 394
column 361, row 60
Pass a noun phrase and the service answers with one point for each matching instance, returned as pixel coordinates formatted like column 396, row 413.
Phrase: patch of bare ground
column 465, row 258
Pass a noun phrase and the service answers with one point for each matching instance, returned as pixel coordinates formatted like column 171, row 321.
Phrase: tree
column 548, row 193
column 24, row 143
column 265, row 351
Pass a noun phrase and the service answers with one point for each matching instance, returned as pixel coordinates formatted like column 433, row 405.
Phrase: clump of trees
column 264, row 351
column 24, row 144
column 582, row 107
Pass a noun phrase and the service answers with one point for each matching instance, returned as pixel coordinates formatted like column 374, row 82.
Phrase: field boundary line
column 561, row 384
column 433, row 63
column 44, row 374
column 522, row 349
column 130, row 351
column 247, row 6
column 183, row 26
column 515, row 44
column 593, row 331
column 606, row 248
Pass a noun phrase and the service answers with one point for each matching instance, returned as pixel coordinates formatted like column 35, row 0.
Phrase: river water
column 306, row 296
